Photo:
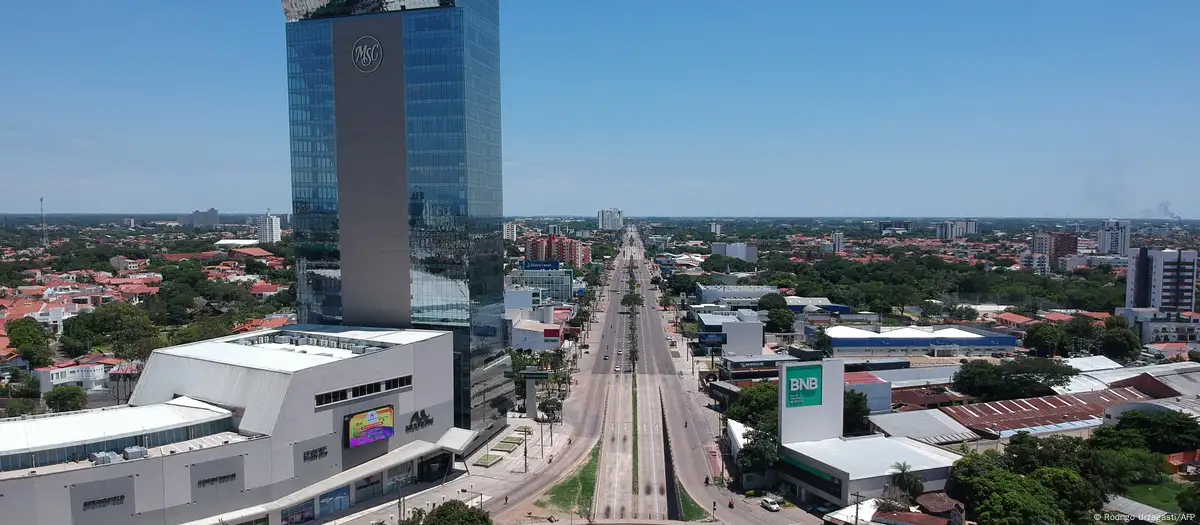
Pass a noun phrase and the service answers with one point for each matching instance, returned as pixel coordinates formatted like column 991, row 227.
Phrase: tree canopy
column 66, row 398
column 1014, row 379
column 1165, row 432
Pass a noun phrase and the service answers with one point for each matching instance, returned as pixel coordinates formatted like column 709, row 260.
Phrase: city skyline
column 1080, row 106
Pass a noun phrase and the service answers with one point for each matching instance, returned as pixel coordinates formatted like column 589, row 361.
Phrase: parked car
column 769, row 504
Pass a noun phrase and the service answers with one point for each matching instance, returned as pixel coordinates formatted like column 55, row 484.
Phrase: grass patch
column 692, row 511
column 1158, row 495
column 488, row 460
column 576, row 493
column 525, row 429
column 635, row 437
column 504, row 447
column 513, row 440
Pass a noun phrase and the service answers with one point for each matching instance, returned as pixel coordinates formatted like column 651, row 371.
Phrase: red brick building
column 555, row 248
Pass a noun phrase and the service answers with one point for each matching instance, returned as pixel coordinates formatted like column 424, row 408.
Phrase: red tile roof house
column 252, row 252
column 263, row 290
column 1012, row 320
column 1057, row 318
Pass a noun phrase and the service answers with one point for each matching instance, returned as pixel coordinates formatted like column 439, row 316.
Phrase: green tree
column 519, row 360
column 772, row 301
column 907, row 480
column 1120, row 343
column 1016, row 379
column 1111, row 437
column 1165, row 432
column 781, row 321
column 1016, row 502
column 452, row 512
column 1188, row 500
column 821, row 340
column 1045, row 339
column 36, row 355
column 1078, row 498
column 632, row 299
column 756, row 406
column 551, row 406
column 26, row 331
column 204, row 329
column 22, row 406
column 854, row 413
column 64, row 398
column 971, row 474
column 761, row 451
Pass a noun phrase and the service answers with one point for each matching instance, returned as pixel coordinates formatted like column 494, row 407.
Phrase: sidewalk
column 481, row 484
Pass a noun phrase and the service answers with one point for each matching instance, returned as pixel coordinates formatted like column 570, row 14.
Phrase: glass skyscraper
column 394, row 107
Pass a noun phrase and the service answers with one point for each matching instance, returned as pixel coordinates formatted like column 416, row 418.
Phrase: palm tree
column 907, row 480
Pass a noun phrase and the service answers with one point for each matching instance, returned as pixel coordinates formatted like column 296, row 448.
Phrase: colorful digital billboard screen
column 368, row 427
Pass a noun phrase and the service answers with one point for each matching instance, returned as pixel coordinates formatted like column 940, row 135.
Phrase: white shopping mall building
column 270, row 427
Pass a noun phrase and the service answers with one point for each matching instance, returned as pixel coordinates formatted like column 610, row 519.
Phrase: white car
column 617, row 368
column 770, row 504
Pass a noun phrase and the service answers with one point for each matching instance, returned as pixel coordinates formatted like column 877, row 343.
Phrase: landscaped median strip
column 692, row 511
column 577, row 492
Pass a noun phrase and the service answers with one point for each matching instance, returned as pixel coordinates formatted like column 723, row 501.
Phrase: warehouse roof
column 874, row 456
column 1102, row 379
column 53, row 431
column 929, row 426
column 998, row 416
column 851, row 332
column 1091, row 363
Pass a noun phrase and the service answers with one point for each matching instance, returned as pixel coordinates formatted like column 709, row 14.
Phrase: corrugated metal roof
column 1092, row 363
column 1187, row 384
column 929, row 426
column 998, row 416
column 1102, row 379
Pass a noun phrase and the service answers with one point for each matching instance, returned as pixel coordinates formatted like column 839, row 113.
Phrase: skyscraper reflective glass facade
column 396, row 177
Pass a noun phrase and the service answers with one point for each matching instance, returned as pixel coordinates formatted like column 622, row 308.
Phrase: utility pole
column 858, row 497
column 526, row 441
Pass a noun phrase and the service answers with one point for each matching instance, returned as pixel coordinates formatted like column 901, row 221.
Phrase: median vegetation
column 577, row 492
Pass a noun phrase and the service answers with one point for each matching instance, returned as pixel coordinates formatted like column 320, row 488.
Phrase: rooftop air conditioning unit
column 134, row 453
column 102, row 458
column 358, row 349
column 283, row 339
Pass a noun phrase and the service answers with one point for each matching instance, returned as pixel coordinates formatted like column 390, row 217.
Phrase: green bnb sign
column 803, row 386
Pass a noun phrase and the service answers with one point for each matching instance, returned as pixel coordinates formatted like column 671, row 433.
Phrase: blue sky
column 665, row 107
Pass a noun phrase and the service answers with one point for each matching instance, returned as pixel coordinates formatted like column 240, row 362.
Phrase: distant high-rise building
column 838, row 241
column 396, row 178
column 1162, row 279
column 201, row 219
column 956, row 229
column 738, row 250
column 268, row 229
column 1113, row 238
column 610, row 220
column 129, row 222
column 554, row 229
column 714, row 228
column 510, row 231
column 888, row 225
column 1063, row 244
column 1041, row 243
column 561, row 249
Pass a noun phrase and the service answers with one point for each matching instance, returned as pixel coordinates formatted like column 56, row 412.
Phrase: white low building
column 270, row 427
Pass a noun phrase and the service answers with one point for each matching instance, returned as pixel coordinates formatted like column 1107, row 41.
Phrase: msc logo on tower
column 803, row 385
column 368, row 54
